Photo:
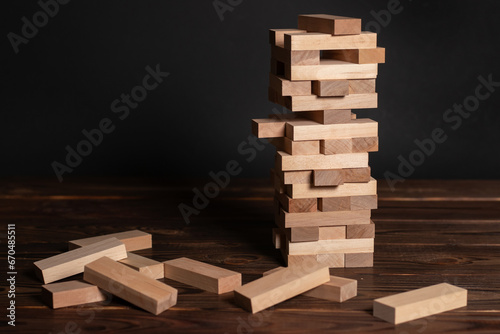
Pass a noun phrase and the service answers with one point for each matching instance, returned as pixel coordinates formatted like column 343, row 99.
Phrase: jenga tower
column 324, row 193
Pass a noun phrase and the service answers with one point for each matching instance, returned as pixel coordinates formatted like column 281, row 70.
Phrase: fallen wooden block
column 287, row 162
column 349, row 145
column 280, row 286
column 126, row 283
column 357, row 56
column 330, row 24
column 202, row 275
column 145, row 266
column 331, row 116
column 338, row 289
column 330, row 87
column 331, row 218
column 358, row 260
column 348, row 203
column 416, row 304
column 285, row 87
column 297, row 205
column 72, row 262
column 318, row 41
column 277, row 36
column 299, row 130
column 342, row 246
column 268, row 128
column 313, row 102
column 344, row 190
column 71, row 293
column 134, row 240
column 308, row 57
column 330, row 69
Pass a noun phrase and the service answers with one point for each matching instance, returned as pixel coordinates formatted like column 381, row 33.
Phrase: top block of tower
column 330, row 24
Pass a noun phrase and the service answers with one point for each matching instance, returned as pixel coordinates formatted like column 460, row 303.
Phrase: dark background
column 65, row 78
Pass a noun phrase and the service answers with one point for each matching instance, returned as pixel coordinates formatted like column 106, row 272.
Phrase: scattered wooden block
column 328, row 177
column 343, row 246
column 348, row 203
column 330, row 116
column 330, row 69
column 287, row 162
column 126, row 283
column 332, row 232
column 349, row 145
column 330, row 87
column 318, row 41
column 420, row 303
column 297, row 205
column 298, row 130
column 134, row 240
column 308, row 57
column 277, row 36
column 301, row 234
column 145, row 266
column 362, row 86
column 285, row 87
column 202, row 275
column 357, row 56
column 360, row 231
column 280, row 286
column 330, row 218
column 72, row 262
column 358, row 260
column 344, row 190
column 330, row 24
column 268, row 128
column 335, row 260
column 71, row 293
column 313, row 102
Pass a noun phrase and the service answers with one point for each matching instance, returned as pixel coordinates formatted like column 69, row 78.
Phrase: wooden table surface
column 428, row 232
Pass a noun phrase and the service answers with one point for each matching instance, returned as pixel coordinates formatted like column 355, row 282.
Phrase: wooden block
column 280, row 286
column 357, row 56
column 130, row 285
column 349, row 145
column 420, row 303
column 277, row 36
column 328, row 177
column 330, row 87
column 344, row 190
column 331, row 116
column 361, row 86
column 335, row 260
column 285, row 87
column 276, row 238
column 353, row 116
column 297, row 177
column 301, row 234
column 330, row 24
column 145, row 266
column 338, row 289
column 298, row 130
column 202, row 275
column 306, row 147
column 356, row 175
column 308, row 57
column 330, row 246
column 71, row 293
column 352, row 203
column 72, row 262
column 359, row 260
column 332, row 232
column 297, row 205
column 360, row 231
column 318, row 41
column 313, row 102
column 268, row 128
column 287, row 162
column 368, row 144
column 330, row 69
column 134, row 240
column 330, row 218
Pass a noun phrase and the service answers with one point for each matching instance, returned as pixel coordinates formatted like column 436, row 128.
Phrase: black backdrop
column 64, row 79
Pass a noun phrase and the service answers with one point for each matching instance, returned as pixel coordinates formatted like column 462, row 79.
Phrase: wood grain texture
column 419, row 303
column 330, row 116
column 360, row 231
column 134, row 240
column 328, row 177
column 357, row 56
column 335, row 260
column 344, row 190
column 285, row 87
column 308, row 57
column 358, row 260
column 287, row 162
column 332, row 218
column 365, row 202
column 71, row 293
column 319, row 41
column 126, row 283
column 72, row 262
column 332, row 232
column 330, row 246
column 330, row 24
column 330, row 69
column 202, row 275
column 268, row 128
column 330, row 87
column 145, row 266
column 277, row 36
column 313, row 102
column 301, row 234
column 297, row 205
column 349, row 145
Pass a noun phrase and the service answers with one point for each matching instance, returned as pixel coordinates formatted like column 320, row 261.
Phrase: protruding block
column 420, row 303
column 287, row 162
column 314, row 102
column 71, row 293
column 330, row 87
column 310, row 130
column 357, row 56
column 301, row 234
column 293, row 58
column 126, row 283
column 330, row 69
column 134, row 240
column 285, row 87
column 277, row 36
column 280, row 286
column 297, row 205
column 145, row 266
column 318, row 41
column 202, row 275
column 268, row 128
column 330, row 246
column 72, row 262
column 330, row 24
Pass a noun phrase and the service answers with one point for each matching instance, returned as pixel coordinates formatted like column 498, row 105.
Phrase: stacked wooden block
column 324, row 193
